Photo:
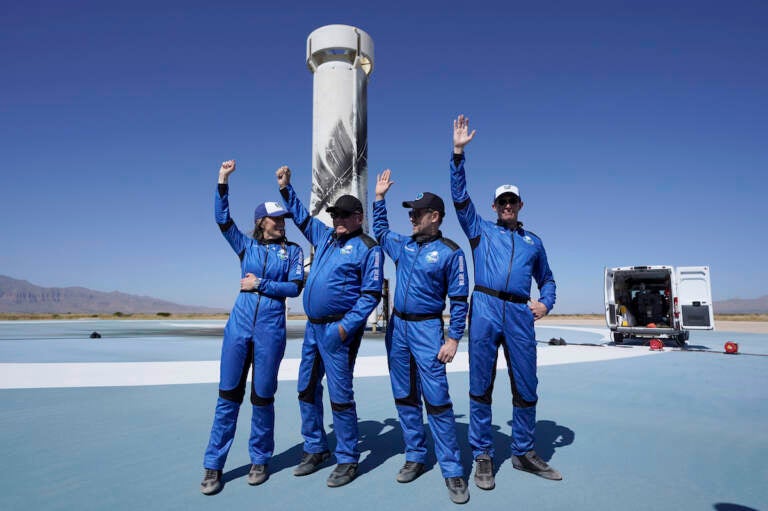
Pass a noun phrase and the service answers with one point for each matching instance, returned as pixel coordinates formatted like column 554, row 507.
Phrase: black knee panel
column 437, row 409
column 307, row 395
column 486, row 398
column 340, row 407
column 235, row 395
column 257, row 400
column 409, row 400
column 522, row 403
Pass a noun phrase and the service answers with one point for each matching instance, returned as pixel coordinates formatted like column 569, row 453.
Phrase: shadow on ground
column 384, row 440
column 726, row 506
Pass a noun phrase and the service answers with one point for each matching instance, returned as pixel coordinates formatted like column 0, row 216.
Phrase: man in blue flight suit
column 273, row 269
column 429, row 268
column 343, row 288
column 506, row 258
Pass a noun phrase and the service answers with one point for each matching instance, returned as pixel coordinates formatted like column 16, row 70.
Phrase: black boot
column 257, row 475
column 457, row 490
column 410, row 471
column 531, row 462
column 343, row 474
column 310, row 462
column 211, row 482
column 484, row 472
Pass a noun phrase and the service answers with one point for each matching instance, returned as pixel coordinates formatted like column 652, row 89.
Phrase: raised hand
column 227, row 167
column 383, row 184
column 461, row 134
column 283, row 175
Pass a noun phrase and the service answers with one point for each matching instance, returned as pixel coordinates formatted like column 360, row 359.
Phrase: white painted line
column 600, row 331
column 127, row 374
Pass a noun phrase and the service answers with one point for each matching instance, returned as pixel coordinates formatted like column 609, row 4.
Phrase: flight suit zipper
column 407, row 287
column 258, row 300
column 509, row 269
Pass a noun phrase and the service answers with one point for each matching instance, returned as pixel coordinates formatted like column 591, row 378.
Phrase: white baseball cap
column 506, row 189
column 271, row 209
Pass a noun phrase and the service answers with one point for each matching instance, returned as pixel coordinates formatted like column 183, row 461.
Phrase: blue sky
column 636, row 131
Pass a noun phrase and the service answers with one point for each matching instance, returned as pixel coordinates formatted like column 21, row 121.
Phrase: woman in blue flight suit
column 272, row 269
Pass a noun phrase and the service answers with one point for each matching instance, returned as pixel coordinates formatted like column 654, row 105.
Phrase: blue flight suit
column 254, row 334
column 427, row 270
column 505, row 261
column 343, row 288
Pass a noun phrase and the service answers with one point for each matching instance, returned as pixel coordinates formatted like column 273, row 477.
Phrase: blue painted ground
column 682, row 430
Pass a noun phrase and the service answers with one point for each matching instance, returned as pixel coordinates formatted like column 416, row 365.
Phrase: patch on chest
column 346, row 249
column 528, row 239
column 432, row 257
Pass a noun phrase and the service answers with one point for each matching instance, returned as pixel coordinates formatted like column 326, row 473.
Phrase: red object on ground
column 656, row 345
column 651, row 325
column 731, row 348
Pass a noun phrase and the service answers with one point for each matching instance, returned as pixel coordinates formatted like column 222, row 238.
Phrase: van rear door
column 694, row 298
column 610, row 299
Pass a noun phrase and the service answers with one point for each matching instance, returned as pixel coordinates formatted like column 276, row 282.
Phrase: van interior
column 643, row 297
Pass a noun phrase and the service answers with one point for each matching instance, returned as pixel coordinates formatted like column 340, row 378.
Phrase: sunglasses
column 341, row 214
column 418, row 213
column 507, row 202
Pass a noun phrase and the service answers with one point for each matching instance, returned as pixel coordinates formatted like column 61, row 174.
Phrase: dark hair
column 258, row 231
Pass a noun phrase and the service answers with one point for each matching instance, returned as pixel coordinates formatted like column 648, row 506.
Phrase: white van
column 658, row 302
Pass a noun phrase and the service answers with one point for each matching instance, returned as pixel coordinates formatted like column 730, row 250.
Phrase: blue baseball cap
column 270, row 209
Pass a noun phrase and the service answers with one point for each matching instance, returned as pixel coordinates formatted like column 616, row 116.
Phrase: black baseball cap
column 426, row 200
column 347, row 204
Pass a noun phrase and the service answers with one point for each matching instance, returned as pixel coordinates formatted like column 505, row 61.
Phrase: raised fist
column 283, row 176
column 227, row 167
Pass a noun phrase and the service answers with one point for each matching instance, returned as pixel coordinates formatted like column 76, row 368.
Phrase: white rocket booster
column 341, row 59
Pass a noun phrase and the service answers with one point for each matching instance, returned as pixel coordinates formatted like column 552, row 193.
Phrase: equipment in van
column 657, row 302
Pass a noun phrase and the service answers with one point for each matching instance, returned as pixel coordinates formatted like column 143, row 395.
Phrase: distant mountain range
column 20, row 296
column 742, row 306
